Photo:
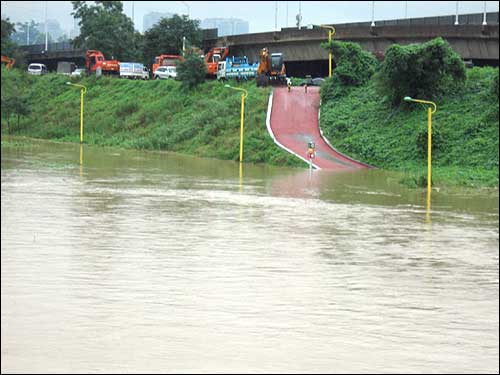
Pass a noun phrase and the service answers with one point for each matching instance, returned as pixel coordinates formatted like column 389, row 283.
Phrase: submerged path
column 292, row 120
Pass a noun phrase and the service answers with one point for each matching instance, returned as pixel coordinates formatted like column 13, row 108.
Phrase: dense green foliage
column 494, row 85
column 104, row 27
column 424, row 71
column 166, row 37
column 465, row 132
column 353, row 67
column 192, row 71
column 153, row 115
column 7, row 45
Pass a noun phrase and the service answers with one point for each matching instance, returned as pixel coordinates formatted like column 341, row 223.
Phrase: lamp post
column 187, row 7
column 83, row 90
column 430, row 110
column 484, row 15
column 373, row 14
column 242, row 120
column 331, row 32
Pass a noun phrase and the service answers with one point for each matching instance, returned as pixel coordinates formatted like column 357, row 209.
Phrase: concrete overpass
column 55, row 52
column 303, row 54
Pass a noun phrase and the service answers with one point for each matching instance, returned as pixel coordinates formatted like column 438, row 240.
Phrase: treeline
column 105, row 27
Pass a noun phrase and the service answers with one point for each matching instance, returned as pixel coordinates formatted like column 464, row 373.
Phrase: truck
column 212, row 58
column 133, row 70
column 165, row 60
column 95, row 62
column 65, row 67
column 271, row 68
column 236, row 68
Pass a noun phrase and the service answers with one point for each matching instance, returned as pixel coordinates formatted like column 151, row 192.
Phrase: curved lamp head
column 408, row 99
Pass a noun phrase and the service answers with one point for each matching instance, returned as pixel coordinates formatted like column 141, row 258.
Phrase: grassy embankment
column 465, row 133
column 151, row 115
column 160, row 115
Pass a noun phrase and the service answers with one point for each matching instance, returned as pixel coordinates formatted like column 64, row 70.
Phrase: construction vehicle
column 271, row 68
column 95, row 61
column 165, row 60
column 213, row 57
column 236, row 68
column 133, row 70
column 9, row 61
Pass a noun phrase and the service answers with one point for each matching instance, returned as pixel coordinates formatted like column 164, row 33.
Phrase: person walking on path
column 289, row 83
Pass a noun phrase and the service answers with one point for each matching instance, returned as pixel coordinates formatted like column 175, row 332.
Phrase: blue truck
column 236, row 68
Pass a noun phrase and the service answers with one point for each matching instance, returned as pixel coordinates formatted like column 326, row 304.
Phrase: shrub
column 423, row 71
column 354, row 67
column 192, row 71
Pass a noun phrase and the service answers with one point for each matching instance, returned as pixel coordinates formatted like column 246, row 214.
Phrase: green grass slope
column 465, row 133
column 153, row 115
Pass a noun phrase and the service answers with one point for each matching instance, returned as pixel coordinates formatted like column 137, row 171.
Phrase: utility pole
column 287, row 14
column 46, row 29
column 28, row 34
column 299, row 16
column 187, row 7
column 406, row 9
column 133, row 20
column 276, row 15
column 373, row 14
column 456, row 13
column 484, row 15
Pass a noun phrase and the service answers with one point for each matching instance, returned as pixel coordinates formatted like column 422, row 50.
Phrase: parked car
column 78, row 72
column 133, row 70
column 313, row 81
column 165, row 72
column 37, row 69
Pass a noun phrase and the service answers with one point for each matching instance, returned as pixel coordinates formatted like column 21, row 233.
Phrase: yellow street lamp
column 83, row 90
column 242, row 121
column 331, row 32
column 430, row 110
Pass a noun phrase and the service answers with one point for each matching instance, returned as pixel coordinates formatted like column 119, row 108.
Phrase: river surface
column 154, row 262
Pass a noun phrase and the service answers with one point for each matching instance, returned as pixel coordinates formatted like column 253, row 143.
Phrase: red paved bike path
column 294, row 122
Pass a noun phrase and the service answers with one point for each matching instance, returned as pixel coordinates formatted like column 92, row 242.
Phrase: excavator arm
column 9, row 61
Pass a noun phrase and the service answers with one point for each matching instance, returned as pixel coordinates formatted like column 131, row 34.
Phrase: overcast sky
column 259, row 14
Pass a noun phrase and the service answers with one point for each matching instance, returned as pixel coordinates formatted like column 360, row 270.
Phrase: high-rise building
column 226, row 26
column 75, row 31
column 152, row 18
column 53, row 28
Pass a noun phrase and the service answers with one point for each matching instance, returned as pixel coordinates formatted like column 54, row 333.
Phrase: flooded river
column 154, row 262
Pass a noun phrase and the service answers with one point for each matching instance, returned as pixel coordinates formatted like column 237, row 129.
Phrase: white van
column 37, row 69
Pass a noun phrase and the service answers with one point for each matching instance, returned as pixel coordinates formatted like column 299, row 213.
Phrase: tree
column 353, row 67
column 166, row 37
column 193, row 70
column 104, row 27
column 16, row 106
column 8, row 46
column 424, row 71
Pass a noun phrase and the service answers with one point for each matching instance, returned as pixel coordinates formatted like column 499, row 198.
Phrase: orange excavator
column 166, row 60
column 271, row 68
column 95, row 60
column 9, row 61
column 213, row 57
